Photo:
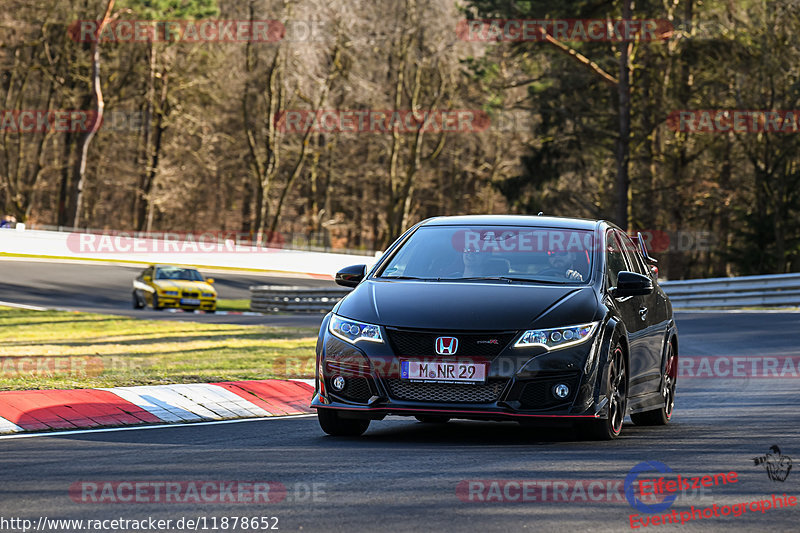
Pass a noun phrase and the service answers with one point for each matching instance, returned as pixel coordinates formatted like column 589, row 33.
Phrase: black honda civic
column 528, row 318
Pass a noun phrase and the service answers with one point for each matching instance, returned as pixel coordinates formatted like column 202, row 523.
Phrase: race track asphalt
column 404, row 476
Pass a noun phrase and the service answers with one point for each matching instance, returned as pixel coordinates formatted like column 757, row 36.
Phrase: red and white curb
column 44, row 410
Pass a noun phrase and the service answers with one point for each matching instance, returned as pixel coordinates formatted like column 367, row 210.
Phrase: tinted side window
column 615, row 261
column 632, row 254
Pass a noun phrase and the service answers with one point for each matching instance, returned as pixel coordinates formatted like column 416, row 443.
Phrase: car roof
column 515, row 220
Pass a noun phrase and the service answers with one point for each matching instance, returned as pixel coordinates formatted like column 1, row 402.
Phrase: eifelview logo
column 778, row 465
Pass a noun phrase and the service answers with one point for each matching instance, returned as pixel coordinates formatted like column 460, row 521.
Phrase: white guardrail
column 225, row 254
column 746, row 291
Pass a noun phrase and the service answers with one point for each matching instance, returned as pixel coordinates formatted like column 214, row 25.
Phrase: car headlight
column 208, row 295
column 354, row 331
column 557, row 338
column 171, row 293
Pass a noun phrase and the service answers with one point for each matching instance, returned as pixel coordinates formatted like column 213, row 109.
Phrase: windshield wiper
column 405, row 277
column 509, row 279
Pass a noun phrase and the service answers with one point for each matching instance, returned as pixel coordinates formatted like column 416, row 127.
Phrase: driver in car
column 475, row 262
column 562, row 263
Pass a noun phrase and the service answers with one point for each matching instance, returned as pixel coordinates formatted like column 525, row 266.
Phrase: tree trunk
column 62, row 216
column 153, row 166
column 676, row 264
column 623, row 142
column 85, row 139
column 140, row 199
column 247, row 212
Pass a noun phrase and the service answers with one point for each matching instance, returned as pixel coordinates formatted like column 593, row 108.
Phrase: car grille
column 446, row 392
column 191, row 294
column 538, row 393
column 423, row 343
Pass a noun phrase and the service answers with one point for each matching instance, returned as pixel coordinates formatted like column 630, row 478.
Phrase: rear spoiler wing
column 638, row 239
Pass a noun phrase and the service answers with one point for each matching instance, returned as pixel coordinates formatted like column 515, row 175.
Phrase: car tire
column 617, row 386
column 137, row 301
column 662, row 415
column 333, row 424
column 433, row 419
column 156, row 307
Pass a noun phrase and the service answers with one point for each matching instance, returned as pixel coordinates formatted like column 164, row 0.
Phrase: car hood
column 177, row 284
column 468, row 305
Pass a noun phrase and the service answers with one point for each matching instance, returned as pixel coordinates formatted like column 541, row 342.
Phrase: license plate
column 190, row 301
column 443, row 371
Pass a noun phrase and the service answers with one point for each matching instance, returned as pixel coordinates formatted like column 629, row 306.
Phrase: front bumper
column 174, row 302
column 520, row 385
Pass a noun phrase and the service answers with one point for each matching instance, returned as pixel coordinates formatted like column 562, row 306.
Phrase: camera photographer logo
column 778, row 465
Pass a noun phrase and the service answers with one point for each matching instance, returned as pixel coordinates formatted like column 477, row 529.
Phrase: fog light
column 561, row 391
column 338, row 383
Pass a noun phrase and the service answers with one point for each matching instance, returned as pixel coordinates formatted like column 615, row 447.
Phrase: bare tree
column 86, row 137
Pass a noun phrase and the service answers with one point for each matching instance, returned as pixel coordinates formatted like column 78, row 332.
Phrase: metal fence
column 282, row 299
column 745, row 291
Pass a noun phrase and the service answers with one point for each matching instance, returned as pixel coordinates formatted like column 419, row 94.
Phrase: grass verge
column 58, row 349
column 233, row 305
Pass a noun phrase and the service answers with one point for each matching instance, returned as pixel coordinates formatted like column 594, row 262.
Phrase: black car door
column 652, row 315
column 629, row 309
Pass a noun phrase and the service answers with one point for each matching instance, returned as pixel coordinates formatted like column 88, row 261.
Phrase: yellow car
column 166, row 286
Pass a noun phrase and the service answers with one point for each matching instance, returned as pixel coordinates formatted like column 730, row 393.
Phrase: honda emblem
column 446, row 345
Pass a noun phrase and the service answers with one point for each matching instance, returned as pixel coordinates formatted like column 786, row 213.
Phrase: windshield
column 509, row 253
column 188, row 274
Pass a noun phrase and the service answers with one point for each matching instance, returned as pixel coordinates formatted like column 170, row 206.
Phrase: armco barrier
column 770, row 290
column 282, row 299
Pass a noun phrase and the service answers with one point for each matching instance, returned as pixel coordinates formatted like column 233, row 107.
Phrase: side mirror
column 147, row 278
column 209, row 280
column 351, row 276
column 632, row 284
